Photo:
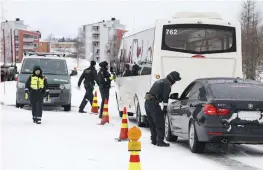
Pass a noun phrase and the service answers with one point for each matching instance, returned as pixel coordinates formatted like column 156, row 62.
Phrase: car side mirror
column 174, row 96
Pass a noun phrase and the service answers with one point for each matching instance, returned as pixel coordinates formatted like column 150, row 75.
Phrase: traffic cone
column 95, row 108
column 105, row 114
column 135, row 163
column 124, row 126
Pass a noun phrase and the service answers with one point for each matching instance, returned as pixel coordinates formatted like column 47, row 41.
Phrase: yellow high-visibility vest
column 37, row 83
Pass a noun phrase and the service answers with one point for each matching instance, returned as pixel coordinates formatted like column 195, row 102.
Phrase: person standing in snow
column 35, row 90
column 159, row 92
column 90, row 76
column 104, row 82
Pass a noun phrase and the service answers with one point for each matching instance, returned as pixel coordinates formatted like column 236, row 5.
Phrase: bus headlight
column 20, row 85
column 64, row 86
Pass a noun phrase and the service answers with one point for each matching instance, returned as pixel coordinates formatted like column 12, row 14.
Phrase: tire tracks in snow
column 223, row 155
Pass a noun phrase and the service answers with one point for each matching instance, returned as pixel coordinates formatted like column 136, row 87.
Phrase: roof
column 217, row 80
column 139, row 30
column 44, row 57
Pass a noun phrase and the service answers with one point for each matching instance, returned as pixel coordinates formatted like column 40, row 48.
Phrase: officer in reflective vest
column 36, row 89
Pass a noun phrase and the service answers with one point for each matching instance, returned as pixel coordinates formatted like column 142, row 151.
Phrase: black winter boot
column 162, row 144
column 38, row 121
column 82, row 111
column 154, row 142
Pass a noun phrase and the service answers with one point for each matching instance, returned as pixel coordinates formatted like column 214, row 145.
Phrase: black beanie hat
column 173, row 77
column 92, row 63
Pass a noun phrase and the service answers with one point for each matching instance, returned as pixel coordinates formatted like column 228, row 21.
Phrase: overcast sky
column 63, row 17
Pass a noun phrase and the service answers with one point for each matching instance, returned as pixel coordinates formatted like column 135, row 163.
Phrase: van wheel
column 194, row 144
column 139, row 116
column 120, row 112
column 19, row 105
column 67, row 107
column 168, row 134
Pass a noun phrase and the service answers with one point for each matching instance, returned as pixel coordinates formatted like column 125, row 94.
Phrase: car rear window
column 237, row 91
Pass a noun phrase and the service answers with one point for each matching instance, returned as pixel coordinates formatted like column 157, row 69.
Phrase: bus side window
column 146, row 71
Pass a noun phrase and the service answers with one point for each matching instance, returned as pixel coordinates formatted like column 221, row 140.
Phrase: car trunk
column 194, row 68
column 245, row 116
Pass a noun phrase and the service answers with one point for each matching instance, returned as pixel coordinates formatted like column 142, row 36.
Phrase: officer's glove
column 26, row 96
column 47, row 95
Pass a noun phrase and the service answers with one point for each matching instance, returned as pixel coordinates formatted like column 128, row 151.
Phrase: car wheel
column 120, row 112
column 168, row 134
column 194, row 144
column 67, row 107
column 139, row 116
column 19, row 105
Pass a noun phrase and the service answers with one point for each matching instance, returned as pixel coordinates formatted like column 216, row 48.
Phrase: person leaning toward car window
column 35, row 90
column 159, row 92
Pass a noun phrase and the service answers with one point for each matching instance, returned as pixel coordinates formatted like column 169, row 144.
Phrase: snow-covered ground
column 69, row 140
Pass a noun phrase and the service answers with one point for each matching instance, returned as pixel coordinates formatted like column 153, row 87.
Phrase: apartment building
column 100, row 41
column 18, row 39
column 63, row 47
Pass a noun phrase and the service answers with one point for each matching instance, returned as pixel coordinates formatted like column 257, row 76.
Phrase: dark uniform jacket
column 39, row 81
column 161, row 90
column 104, row 78
column 90, row 76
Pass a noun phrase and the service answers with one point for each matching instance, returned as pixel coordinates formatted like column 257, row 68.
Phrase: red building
column 25, row 41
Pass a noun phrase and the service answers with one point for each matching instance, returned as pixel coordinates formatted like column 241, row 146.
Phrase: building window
column 35, row 45
column 35, row 37
column 16, row 38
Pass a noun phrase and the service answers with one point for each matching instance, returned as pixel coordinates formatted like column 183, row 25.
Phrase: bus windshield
column 199, row 38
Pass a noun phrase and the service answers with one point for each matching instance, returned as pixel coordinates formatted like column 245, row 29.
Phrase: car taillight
column 210, row 109
column 198, row 56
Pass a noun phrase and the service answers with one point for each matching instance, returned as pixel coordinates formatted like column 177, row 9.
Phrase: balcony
column 95, row 30
column 95, row 38
column 28, row 39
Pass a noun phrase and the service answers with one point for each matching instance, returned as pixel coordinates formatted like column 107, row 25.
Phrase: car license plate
column 249, row 115
column 46, row 100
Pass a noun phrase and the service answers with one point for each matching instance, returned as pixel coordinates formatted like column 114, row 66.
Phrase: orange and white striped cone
column 135, row 163
column 95, row 108
column 105, row 113
column 124, row 126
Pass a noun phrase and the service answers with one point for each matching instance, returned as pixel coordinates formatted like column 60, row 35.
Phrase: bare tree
column 252, row 35
column 79, row 47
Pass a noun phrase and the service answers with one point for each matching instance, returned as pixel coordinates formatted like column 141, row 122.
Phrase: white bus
column 197, row 45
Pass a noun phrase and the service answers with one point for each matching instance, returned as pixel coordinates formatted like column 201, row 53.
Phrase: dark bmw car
column 217, row 110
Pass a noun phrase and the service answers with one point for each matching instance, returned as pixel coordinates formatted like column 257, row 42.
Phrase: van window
column 48, row 66
column 199, row 38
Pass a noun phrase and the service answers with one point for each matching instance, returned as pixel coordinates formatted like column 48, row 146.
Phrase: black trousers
column 36, row 100
column 87, row 97
column 156, row 120
column 105, row 93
